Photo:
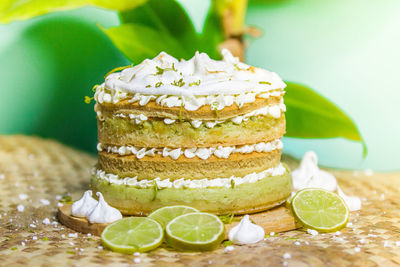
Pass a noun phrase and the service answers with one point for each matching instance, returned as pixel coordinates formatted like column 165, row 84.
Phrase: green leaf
column 11, row 10
column 310, row 115
column 138, row 42
column 163, row 25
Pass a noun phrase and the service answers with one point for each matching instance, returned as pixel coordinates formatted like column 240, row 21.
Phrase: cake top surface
column 200, row 75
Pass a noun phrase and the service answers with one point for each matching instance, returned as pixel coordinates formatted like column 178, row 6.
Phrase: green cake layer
column 155, row 133
column 242, row 199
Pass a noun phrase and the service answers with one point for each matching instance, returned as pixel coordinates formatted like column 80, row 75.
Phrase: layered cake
column 197, row 132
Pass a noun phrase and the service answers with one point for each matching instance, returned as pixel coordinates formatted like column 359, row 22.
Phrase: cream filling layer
column 274, row 111
column 202, row 153
column 188, row 183
column 188, row 102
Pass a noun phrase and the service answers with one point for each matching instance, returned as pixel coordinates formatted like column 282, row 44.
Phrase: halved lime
column 132, row 234
column 320, row 209
column 165, row 214
column 197, row 231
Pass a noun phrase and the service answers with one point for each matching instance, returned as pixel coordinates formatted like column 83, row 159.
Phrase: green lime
column 320, row 209
column 197, row 231
column 165, row 214
column 132, row 234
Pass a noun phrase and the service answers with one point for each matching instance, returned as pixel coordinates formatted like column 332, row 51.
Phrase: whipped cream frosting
column 190, row 83
column 188, row 183
column 308, row 175
column 246, row 232
column 84, row 206
column 202, row 153
column 103, row 213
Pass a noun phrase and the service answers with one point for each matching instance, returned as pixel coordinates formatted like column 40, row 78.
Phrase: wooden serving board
column 275, row 220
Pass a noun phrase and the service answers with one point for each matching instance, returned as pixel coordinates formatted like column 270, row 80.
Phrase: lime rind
column 140, row 233
column 333, row 210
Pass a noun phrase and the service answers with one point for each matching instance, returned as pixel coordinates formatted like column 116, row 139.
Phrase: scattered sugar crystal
column 364, row 199
column 46, row 221
column 287, row 256
column 136, row 260
column 44, row 201
column 62, row 236
column 136, row 254
column 338, row 233
column 81, row 249
column 31, row 187
column 73, row 235
column 229, row 248
column 307, row 243
column 385, row 244
column 100, row 247
column 357, row 249
column 362, row 241
column 58, row 197
column 76, row 248
column 20, row 208
column 2, row 176
column 297, row 243
column 32, row 225
column 382, row 196
column 89, row 234
column 23, row 196
column 285, row 263
column 54, row 223
column 312, row 232
column 368, row 172
column 62, row 228
column 272, row 233
column 349, row 224
column 397, row 243
column 71, row 243
column 34, row 237
column 23, row 244
column 60, row 204
column 372, row 235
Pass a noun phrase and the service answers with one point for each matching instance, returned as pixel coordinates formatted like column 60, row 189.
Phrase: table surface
column 44, row 170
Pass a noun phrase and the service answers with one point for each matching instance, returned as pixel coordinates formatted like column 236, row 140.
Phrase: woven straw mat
column 35, row 173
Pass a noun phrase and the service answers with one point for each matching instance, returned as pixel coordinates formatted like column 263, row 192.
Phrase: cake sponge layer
column 242, row 199
column 194, row 168
column 181, row 134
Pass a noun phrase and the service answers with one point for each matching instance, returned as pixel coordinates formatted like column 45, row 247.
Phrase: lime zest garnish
column 227, row 243
column 95, row 87
column 149, row 85
column 232, row 183
column 118, row 69
column 88, row 99
column 227, row 219
column 155, row 190
column 195, row 83
column 158, row 84
column 179, row 83
column 66, row 199
column 161, row 70
column 264, row 82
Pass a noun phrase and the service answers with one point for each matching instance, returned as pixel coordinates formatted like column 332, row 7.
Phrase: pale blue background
column 346, row 50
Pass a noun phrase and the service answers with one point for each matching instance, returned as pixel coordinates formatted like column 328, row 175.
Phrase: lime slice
column 197, row 231
column 133, row 234
column 320, row 209
column 165, row 214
